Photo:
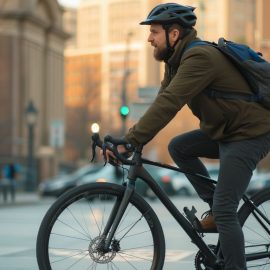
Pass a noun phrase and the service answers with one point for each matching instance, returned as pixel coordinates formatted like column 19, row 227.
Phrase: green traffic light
column 124, row 110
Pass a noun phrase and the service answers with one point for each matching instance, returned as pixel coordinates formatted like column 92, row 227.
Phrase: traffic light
column 124, row 111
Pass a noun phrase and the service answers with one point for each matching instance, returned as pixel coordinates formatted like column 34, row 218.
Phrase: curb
column 21, row 199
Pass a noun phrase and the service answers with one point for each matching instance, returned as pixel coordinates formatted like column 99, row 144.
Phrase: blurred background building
column 32, row 43
column 72, row 67
column 109, row 54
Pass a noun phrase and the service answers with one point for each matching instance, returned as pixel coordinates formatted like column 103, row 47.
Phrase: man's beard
column 160, row 54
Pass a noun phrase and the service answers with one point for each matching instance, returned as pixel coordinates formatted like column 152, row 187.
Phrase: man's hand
column 110, row 155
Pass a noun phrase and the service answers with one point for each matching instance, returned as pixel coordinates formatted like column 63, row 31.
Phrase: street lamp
column 95, row 128
column 31, row 119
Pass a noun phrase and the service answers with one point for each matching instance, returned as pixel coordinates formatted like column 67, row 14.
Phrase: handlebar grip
column 96, row 139
column 111, row 143
column 114, row 141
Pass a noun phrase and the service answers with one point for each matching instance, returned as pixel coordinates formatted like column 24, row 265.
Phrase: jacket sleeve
column 165, row 82
column 195, row 73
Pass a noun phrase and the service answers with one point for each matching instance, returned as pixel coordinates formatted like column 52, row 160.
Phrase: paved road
column 20, row 222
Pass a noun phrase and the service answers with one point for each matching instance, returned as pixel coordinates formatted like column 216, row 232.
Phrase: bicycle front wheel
column 257, row 231
column 71, row 232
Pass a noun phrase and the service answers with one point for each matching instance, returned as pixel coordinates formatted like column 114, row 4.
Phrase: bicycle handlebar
column 111, row 144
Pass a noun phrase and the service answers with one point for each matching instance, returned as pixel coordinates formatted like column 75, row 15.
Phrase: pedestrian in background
column 9, row 173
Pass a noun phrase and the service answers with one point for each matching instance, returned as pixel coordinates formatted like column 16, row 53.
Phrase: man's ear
column 174, row 35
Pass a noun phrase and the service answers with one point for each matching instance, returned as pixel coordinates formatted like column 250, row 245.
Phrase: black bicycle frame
column 138, row 171
column 256, row 213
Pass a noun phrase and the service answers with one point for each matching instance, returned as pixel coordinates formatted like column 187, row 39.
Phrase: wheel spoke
column 72, row 236
column 257, row 239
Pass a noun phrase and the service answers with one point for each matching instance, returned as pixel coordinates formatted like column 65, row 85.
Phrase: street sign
column 57, row 134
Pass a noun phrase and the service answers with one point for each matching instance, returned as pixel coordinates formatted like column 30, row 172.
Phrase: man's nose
column 150, row 38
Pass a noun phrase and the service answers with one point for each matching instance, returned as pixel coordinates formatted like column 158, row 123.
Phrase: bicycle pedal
column 195, row 222
column 190, row 214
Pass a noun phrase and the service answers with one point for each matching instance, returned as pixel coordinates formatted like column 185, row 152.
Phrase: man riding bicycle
column 235, row 131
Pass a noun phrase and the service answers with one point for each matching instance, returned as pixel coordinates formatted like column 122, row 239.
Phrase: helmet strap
column 170, row 49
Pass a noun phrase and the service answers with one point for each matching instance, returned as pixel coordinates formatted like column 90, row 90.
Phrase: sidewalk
column 21, row 198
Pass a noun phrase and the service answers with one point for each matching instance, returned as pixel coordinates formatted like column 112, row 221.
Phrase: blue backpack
column 252, row 66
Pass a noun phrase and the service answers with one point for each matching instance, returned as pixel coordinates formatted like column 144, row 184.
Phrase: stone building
column 102, row 33
column 31, row 70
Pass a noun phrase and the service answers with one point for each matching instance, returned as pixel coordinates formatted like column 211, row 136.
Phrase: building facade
column 262, row 31
column 109, row 31
column 32, row 70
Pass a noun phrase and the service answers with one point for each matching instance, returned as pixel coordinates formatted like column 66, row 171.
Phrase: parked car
column 182, row 185
column 259, row 181
column 161, row 175
column 116, row 175
column 168, row 180
column 59, row 184
column 172, row 182
column 108, row 173
column 164, row 178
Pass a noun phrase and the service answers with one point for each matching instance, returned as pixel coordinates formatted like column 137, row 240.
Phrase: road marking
column 135, row 255
column 8, row 251
column 177, row 255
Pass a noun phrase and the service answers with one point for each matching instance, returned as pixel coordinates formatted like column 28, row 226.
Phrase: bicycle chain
column 199, row 260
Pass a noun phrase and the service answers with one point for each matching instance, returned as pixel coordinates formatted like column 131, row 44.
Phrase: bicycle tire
column 256, row 238
column 72, row 218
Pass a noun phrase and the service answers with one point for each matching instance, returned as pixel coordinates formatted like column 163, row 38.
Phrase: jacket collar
column 174, row 60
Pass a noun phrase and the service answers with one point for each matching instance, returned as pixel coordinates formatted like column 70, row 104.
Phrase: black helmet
column 170, row 13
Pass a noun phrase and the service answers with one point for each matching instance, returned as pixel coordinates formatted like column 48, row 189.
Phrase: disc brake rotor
column 96, row 251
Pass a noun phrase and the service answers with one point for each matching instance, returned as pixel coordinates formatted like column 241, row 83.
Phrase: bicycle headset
column 169, row 14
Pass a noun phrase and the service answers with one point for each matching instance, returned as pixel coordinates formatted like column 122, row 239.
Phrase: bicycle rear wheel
column 70, row 233
column 257, row 237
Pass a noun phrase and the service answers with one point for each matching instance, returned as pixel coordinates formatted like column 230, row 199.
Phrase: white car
column 106, row 174
column 113, row 174
column 183, row 186
column 259, row 181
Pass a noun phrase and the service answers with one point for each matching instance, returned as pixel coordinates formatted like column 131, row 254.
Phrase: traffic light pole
column 124, row 107
column 124, row 110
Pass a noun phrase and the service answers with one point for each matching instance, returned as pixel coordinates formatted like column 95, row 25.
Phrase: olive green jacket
column 186, row 76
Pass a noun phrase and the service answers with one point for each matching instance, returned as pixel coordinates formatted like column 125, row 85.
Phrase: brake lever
column 111, row 144
column 94, row 145
column 95, row 142
column 104, row 154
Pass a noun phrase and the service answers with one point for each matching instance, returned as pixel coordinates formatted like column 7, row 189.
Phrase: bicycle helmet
column 171, row 13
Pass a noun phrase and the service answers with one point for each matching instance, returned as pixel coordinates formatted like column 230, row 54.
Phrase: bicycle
column 110, row 226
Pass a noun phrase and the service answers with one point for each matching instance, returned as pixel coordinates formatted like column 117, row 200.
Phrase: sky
column 69, row 3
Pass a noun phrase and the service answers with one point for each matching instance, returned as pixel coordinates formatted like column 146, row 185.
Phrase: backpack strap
column 216, row 94
column 195, row 43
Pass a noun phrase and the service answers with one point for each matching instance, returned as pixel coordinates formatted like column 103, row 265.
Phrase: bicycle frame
column 138, row 171
column 113, row 226
column 257, row 214
column 195, row 237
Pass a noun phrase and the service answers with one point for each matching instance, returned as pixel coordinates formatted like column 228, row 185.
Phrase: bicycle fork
column 117, row 213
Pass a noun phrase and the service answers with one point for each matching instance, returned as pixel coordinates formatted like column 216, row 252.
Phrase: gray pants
column 237, row 162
